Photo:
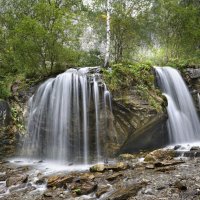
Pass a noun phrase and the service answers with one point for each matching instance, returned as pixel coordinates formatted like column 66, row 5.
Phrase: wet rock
column 114, row 176
column 160, row 155
column 180, row 185
column 150, row 166
column 48, row 194
column 2, row 190
column 102, row 190
column 115, row 167
column 193, row 73
column 118, row 166
column 195, row 148
column 98, row 168
column 59, row 181
column 127, row 157
column 168, row 163
column 83, row 187
column 191, row 154
column 17, row 179
column 5, row 113
column 126, row 193
column 177, row 147
column 40, row 181
column 3, row 177
column 151, row 135
column 149, row 191
column 165, row 169
column 18, row 187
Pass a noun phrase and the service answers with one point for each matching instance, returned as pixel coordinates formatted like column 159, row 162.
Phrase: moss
column 123, row 78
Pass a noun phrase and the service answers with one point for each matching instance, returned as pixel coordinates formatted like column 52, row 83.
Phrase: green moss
column 125, row 77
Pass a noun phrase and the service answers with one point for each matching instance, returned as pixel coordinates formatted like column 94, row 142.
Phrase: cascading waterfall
column 60, row 123
column 183, row 122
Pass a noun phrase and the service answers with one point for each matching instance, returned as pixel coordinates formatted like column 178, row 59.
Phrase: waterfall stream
column 64, row 121
column 183, row 122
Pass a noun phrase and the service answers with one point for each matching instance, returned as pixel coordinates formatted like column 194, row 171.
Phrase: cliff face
column 192, row 78
column 139, row 126
column 8, row 132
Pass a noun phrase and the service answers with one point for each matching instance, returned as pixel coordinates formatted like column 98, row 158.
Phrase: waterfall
column 64, row 120
column 183, row 122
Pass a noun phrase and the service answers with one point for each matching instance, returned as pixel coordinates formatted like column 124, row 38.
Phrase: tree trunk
column 107, row 56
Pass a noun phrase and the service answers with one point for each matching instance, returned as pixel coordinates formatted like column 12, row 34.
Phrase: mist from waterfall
column 60, row 125
column 183, row 122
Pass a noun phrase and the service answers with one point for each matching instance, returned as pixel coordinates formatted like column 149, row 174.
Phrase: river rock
column 17, row 179
column 159, row 155
column 195, row 148
column 114, row 176
column 83, row 187
column 98, row 168
column 127, row 156
column 59, row 181
column 3, row 177
column 104, row 167
column 118, row 166
column 102, row 190
column 126, row 193
column 180, row 185
column 177, row 147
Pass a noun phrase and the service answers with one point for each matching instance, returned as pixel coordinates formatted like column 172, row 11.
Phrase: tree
column 37, row 33
column 107, row 56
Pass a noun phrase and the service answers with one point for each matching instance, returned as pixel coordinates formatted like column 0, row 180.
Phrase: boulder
column 152, row 135
column 160, row 155
column 98, row 168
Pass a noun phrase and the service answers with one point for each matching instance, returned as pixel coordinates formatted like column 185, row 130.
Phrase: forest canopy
column 43, row 37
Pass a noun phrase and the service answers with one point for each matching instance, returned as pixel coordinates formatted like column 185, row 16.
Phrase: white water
column 183, row 122
column 60, row 124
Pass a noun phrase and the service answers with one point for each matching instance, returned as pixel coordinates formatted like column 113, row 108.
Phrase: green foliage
column 5, row 87
column 125, row 77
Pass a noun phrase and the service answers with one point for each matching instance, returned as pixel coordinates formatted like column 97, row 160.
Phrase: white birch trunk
column 107, row 55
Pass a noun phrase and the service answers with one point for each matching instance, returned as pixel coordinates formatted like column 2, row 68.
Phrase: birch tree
column 107, row 55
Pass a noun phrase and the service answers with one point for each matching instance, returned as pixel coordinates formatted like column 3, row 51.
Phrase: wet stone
column 3, row 177
column 180, row 185
column 59, row 181
column 114, row 176
column 17, row 179
column 177, row 147
column 83, row 188
column 102, row 190
column 126, row 193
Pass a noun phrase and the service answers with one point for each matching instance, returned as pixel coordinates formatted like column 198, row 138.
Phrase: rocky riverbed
column 147, row 176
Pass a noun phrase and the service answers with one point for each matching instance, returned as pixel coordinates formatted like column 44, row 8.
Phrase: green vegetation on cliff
column 124, row 78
